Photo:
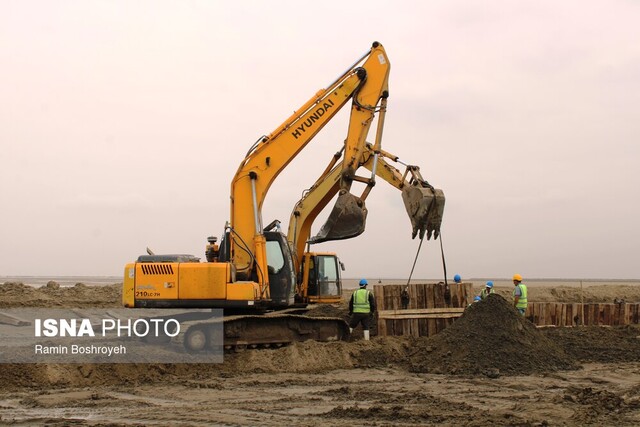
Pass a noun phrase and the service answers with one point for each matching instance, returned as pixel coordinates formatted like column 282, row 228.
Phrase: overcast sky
column 122, row 124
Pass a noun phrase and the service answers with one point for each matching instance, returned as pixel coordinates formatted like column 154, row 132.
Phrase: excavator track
column 259, row 331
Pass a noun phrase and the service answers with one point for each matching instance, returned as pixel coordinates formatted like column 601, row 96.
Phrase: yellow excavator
column 257, row 274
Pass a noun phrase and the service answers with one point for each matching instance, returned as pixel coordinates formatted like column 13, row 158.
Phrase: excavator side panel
column 242, row 291
column 156, row 280
column 203, row 280
column 186, row 284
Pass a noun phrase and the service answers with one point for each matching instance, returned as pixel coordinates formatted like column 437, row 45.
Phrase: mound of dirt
column 605, row 293
column 598, row 344
column 490, row 338
column 598, row 407
column 52, row 295
column 329, row 310
column 302, row 357
column 79, row 375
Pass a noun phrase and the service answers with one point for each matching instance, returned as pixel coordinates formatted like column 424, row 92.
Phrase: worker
column 457, row 278
column 519, row 294
column 488, row 289
column 361, row 306
column 475, row 299
column 405, row 298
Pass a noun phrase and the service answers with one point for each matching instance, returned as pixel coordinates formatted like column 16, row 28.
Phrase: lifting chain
column 447, row 293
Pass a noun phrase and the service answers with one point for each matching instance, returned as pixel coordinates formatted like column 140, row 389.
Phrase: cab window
column 275, row 259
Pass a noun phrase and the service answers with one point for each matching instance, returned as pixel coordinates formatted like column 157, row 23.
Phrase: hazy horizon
column 373, row 280
column 123, row 124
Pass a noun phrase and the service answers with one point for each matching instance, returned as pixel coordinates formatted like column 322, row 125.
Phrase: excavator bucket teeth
column 347, row 219
column 425, row 207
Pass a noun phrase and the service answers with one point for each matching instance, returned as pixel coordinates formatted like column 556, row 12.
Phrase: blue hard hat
column 489, row 284
column 477, row 298
column 363, row 282
column 457, row 278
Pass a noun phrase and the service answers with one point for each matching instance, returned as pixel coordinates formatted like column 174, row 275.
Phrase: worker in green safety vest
column 519, row 294
column 488, row 289
column 361, row 305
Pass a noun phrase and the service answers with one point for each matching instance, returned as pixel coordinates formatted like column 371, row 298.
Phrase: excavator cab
column 280, row 269
column 321, row 281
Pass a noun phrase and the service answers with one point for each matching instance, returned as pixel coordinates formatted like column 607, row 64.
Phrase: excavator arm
column 366, row 85
column 424, row 203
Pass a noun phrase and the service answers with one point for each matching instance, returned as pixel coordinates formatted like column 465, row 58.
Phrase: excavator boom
column 365, row 84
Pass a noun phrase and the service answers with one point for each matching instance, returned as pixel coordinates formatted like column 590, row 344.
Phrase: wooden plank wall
column 426, row 314
column 571, row 314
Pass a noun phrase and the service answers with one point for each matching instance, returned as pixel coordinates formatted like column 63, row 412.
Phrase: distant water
column 37, row 281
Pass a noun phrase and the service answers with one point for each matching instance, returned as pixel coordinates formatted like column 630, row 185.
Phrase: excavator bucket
column 346, row 220
column 425, row 207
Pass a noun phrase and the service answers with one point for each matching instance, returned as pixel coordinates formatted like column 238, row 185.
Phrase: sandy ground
column 489, row 368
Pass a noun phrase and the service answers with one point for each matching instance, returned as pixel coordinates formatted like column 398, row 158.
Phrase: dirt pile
column 599, row 407
column 52, row 295
column 303, row 357
column 595, row 294
column 14, row 376
column 491, row 338
column 598, row 344
column 329, row 310
column 317, row 357
column 605, row 293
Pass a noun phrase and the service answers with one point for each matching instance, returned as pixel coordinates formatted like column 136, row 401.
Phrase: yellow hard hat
column 517, row 277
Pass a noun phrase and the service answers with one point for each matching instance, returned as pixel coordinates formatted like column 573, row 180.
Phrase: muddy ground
column 491, row 367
